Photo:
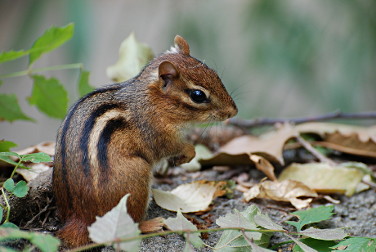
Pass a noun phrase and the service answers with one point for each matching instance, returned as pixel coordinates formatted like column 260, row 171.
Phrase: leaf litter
column 264, row 157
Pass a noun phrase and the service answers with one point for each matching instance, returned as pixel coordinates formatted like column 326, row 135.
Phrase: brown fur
column 110, row 139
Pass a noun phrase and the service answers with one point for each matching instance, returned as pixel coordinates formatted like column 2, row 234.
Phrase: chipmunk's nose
column 231, row 112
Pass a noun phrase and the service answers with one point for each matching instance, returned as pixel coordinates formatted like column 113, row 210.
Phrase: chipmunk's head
column 188, row 89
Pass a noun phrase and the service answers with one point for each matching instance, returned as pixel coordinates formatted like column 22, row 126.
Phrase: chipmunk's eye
column 197, row 96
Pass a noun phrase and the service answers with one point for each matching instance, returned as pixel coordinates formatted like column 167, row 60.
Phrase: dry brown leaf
column 191, row 197
column 345, row 138
column 269, row 146
column 152, row 225
column 264, row 165
column 34, row 171
column 287, row 190
column 46, row 147
column 325, row 178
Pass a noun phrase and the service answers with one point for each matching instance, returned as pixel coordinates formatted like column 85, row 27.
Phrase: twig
column 271, row 121
column 369, row 183
column 38, row 214
column 313, row 151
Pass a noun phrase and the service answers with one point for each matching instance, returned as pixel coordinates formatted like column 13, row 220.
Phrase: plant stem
column 37, row 70
column 15, row 168
column 7, row 205
column 139, row 237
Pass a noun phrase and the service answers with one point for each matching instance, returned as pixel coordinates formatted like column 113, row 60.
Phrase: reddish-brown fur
column 110, row 140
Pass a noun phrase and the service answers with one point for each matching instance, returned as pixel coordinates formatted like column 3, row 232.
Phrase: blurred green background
column 291, row 58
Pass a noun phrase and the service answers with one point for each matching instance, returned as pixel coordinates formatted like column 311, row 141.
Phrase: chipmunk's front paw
column 187, row 155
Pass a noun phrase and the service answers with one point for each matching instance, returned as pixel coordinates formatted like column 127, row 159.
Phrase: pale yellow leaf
column 133, row 56
column 191, row 197
column 287, row 190
column 325, row 178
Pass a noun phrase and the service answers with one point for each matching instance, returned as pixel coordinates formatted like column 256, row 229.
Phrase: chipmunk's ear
column 181, row 45
column 167, row 72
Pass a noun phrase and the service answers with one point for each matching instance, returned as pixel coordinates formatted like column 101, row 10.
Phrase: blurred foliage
column 324, row 52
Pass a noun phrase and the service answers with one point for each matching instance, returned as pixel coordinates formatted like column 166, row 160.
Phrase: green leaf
column 9, row 185
column 6, row 145
column 45, row 243
column 51, row 39
column 49, row 96
column 303, row 246
column 355, row 244
column 5, row 156
column 39, row 157
column 312, row 215
column 21, row 189
column 12, row 55
column 9, row 225
column 10, row 110
column 83, row 84
column 319, row 245
column 1, row 214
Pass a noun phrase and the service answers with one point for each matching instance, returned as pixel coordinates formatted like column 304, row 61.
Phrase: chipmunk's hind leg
column 74, row 233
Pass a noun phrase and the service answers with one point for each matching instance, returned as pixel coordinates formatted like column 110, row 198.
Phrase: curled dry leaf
column 325, row 178
column 46, row 147
column 239, row 150
column 264, row 165
column 191, row 197
column 287, row 190
column 354, row 140
column 34, row 171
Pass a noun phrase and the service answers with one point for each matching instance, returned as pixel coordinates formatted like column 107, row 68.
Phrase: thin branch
column 7, row 205
column 271, row 121
column 313, row 151
column 38, row 214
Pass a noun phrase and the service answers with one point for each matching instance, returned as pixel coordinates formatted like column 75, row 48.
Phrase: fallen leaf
column 34, row 171
column 202, row 152
column 114, row 225
column 133, row 56
column 152, row 225
column 191, row 197
column 287, row 190
column 303, row 246
column 234, row 240
column 350, row 139
column 324, row 178
column 265, row 222
column 238, row 151
column 264, row 165
column 325, row 234
column 180, row 223
column 46, row 147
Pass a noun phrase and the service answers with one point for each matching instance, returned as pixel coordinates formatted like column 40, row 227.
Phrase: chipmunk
column 112, row 137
